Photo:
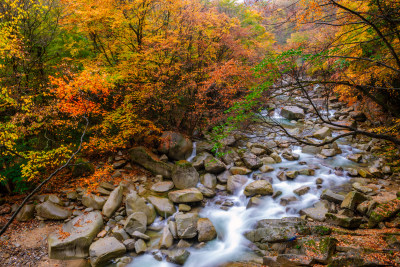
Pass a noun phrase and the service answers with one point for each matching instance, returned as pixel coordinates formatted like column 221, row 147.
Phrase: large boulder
column 185, row 195
column 322, row 133
column 104, row 250
column 49, row 210
column 134, row 203
column 214, row 165
column 259, row 187
column 162, row 187
column 198, row 161
column 235, row 182
column 332, row 197
column 113, row 202
column 26, row 213
column 142, row 157
column 317, row 212
column 383, row 212
column 175, row 145
column 75, row 237
column 164, row 206
column 136, row 222
column 292, row 113
column 352, row 199
column 93, row 201
column 206, row 230
column 208, row 180
column 251, row 161
column 186, row 224
column 184, row 175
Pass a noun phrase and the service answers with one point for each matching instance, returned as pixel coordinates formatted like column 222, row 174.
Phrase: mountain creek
column 265, row 202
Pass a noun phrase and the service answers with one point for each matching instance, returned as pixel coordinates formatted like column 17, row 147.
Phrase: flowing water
column 230, row 224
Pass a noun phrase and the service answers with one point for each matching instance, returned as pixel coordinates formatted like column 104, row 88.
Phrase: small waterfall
column 191, row 157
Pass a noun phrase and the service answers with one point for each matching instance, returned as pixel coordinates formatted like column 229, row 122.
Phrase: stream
column 231, row 245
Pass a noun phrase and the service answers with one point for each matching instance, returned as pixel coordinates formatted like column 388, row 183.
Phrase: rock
column 72, row 195
column 103, row 191
column 183, row 244
column 93, row 201
column 364, row 173
column 134, row 203
column 288, row 155
column 352, row 199
column 328, row 152
column 311, row 149
column 136, row 222
column 185, row 195
column 166, row 239
column 387, row 170
column 322, row 133
column 184, row 175
column 186, row 225
column 206, row 230
column 361, row 188
column 184, row 208
column 239, row 170
column 55, row 199
column 162, row 187
column 277, row 230
column 129, row 244
column 251, row 161
column 207, row 192
column 82, row 167
column 383, row 212
column 120, row 234
column 178, row 256
column 302, row 190
column 223, row 177
column 281, row 176
column 291, row 174
column 286, row 200
column 358, row 116
column 319, row 181
column 355, row 157
column 308, row 172
column 142, row 157
column 317, row 212
column 375, row 172
column 208, row 180
column 26, row 213
column 214, row 165
column 204, row 146
column 49, row 210
column 140, row 246
column 236, row 182
column 104, row 250
column 230, row 156
column 292, row 113
column 173, row 229
column 276, row 157
column 75, row 238
column 344, row 221
column 119, row 164
column 175, row 145
column 107, row 186
column 321, row 249
column 332, row 197
column 267, row 160
column 259, row 187
column 258, row 151
column 352, row 172
column 113, row 202
column 139, row 235
column 266, row 168
column 198, row 161
column 163, row 206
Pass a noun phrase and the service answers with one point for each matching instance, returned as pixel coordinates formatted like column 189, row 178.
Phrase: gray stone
column 266, row 168
column 51, row 211
column 185, row 195
column 286, row 200
column 236, row 182
column 223, row 177
column 163, row 206
column 140, row 235
column 140, row 246
column 107, row 186
column 198, row 161
column 184, row 175
column 291, row 174
column 113, row 202
column 104, row 250
column 186, row 225
column 142, row 157
column 317, row 212
column 344, row 221
column 134, row 203
column 328, row 152
column 301, row 190
column 214, row 165
column 251, row 161
column 323, row 133
column 162, row 187
column 26, row 213
column 166, row 239
column 206, row 230
column 352, row 199
column 355, row 157
column 184, row 208
column 93, row 201
column 72, row 195
column 208, row 180
column 136, row 222
column 80, row 233
column 311, row 149
column 362, row 189
column 332, row 197
column 129, row 244
column 276, row 157
column 259, row 187
column 120, row 234
column 207, row 192
column 239, row 170
column 292, row 113
column 178, row 256
column 175, row 145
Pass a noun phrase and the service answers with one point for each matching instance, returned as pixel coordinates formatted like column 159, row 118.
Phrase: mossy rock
column 321, row 230
column 82, row 167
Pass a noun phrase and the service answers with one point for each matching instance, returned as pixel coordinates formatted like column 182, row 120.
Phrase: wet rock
column 292, row 113
column 129, row 244
column 26, row 213
column 207, row 192
column 235, row 182
column 259, row 187
column 184, row 175
column 328, row 152
column 332, row 197
column 291, row 174
column 140, row 246
column 317, row 212
column 104, row 250
column 308, row 172
column 185, row 195
column 198, row 161
column 162, row 187
column 172, row 228
column 208, row 180
column 361, row 188
column 251, row 161
column 206, row 230
column 364, row 173
column 322, row 133
column 175, row 145
column 344, row 221
column 266, row 168
column 214, row 165
column 302, row 190
column 166, row 239
column 223, row 177
column 239, row 170
column 352, row 172
column 253, row 202
column 163, row 206
column 49, row 210
column 120, row 234
column 134, row 203
column 178, row 256
column 80, row 233
column 290, row 156
column 186, row 225
column 355, row 157
column 281, row 176
column 93, row 201
column 352, row 199
column 142, row 157
column 287, row 200
column 267, row 160
column 311, row 149
column 136, row 222
column 319, row 181
column 184, row 208
column 183, row 244
column 113, row 202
